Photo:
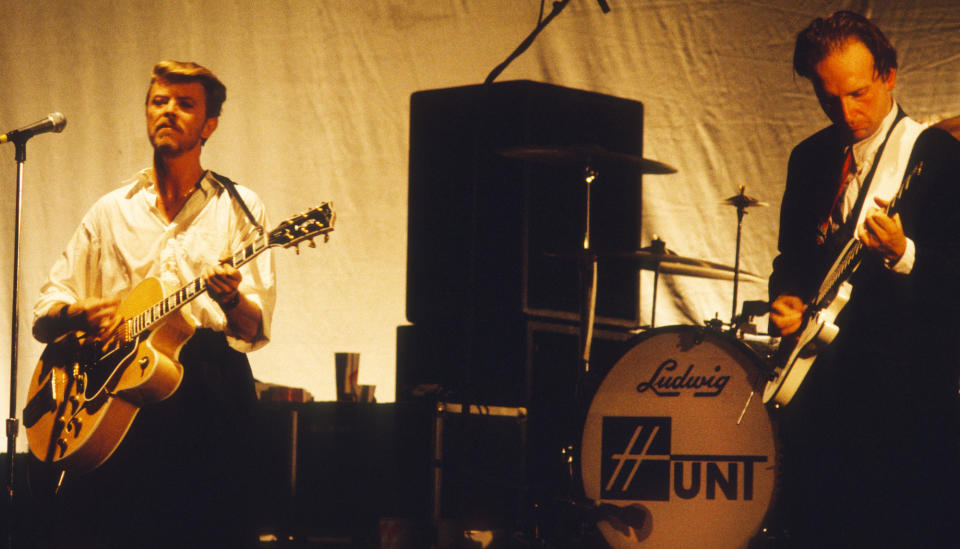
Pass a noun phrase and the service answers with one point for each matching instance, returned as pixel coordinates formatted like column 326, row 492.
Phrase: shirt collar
column 143, row 181
column 865, row 149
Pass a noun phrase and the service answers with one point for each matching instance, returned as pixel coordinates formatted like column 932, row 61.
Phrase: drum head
column 661, row 436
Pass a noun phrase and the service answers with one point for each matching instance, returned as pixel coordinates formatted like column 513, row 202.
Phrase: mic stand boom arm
column 557, row 8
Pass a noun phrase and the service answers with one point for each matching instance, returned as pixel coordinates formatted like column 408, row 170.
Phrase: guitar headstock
column 304, row 226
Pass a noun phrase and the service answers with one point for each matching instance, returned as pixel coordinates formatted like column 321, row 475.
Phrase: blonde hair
column 187, row 71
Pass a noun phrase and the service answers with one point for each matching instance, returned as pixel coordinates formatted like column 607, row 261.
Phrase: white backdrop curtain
column 318, row 109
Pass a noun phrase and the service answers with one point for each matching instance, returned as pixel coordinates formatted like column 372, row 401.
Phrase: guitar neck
column 291, row 232
column 841, row 270
column 849, row 258
column 160, row 310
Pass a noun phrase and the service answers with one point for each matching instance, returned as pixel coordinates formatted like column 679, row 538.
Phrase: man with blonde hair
column 176, row 479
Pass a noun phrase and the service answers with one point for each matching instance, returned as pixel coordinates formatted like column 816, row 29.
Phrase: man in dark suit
column 869, row 440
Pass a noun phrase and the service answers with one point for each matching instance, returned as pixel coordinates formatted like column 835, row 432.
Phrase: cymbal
column 667, row 262
column 583, row 154
column 743, row 201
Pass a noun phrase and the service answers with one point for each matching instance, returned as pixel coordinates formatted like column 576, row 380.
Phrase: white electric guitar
column 798, row 352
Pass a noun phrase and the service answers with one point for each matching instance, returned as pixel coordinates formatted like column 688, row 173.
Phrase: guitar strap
column 231, row 188
column 891, row 167
column 888, row 170
column 858, row 205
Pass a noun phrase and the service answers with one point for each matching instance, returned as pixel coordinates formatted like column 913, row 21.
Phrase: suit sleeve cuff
column 905, row 264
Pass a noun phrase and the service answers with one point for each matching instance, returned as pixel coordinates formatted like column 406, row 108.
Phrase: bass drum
column 662, row 437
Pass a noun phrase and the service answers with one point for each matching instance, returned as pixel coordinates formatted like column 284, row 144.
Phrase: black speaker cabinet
column 481, row 223
column 558, row 396
column 334, row 469
column 479, row 465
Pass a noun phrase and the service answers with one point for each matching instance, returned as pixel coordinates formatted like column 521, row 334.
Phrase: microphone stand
column 13, row 424
column 557, row 8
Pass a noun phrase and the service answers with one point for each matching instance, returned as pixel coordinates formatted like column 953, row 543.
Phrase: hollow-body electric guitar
column 83, row 398
column 797, row 353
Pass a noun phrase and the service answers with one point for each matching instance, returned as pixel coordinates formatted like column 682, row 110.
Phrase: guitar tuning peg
column 311, row 243
column 296, row 248
column 326, row 237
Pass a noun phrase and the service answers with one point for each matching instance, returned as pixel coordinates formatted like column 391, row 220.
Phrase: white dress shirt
column 124, row 238
column 864, row 154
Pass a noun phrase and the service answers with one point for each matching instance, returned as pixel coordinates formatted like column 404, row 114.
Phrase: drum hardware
column 587, row 156
column 620, row 518
column 658, row 258
column 717, row 325
column 766, row 371
column 758, row 383
column 743, row 323
column 742, row 326
column 714, row 324
column 657, row 255
column 658, row 247
column 740, row 201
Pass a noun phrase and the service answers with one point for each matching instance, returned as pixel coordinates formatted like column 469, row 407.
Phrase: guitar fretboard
column 852, row 253
column 153, row 315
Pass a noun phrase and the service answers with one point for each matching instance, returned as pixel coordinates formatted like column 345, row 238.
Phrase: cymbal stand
column 658, row 246
column 740, row 201
column 588, row 273
column 653, row 307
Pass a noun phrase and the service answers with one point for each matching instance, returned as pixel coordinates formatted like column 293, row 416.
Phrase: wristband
column 231, row 303
column 63, row 315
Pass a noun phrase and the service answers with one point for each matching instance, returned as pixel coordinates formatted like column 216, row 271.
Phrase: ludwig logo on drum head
column 662, row 383
column 637, row 465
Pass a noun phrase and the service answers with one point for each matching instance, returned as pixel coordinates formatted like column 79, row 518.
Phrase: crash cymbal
column 671, row 263
column 668, row 262
column 743, row 201
column 707, row 270
column 584, row 154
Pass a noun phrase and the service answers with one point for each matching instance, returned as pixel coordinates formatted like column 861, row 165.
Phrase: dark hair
column 823, row 36
column 179, row 71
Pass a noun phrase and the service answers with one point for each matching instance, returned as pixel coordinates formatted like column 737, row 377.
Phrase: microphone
column 54, row 122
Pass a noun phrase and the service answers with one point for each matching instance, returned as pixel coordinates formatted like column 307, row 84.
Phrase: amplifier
column 337, row 468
